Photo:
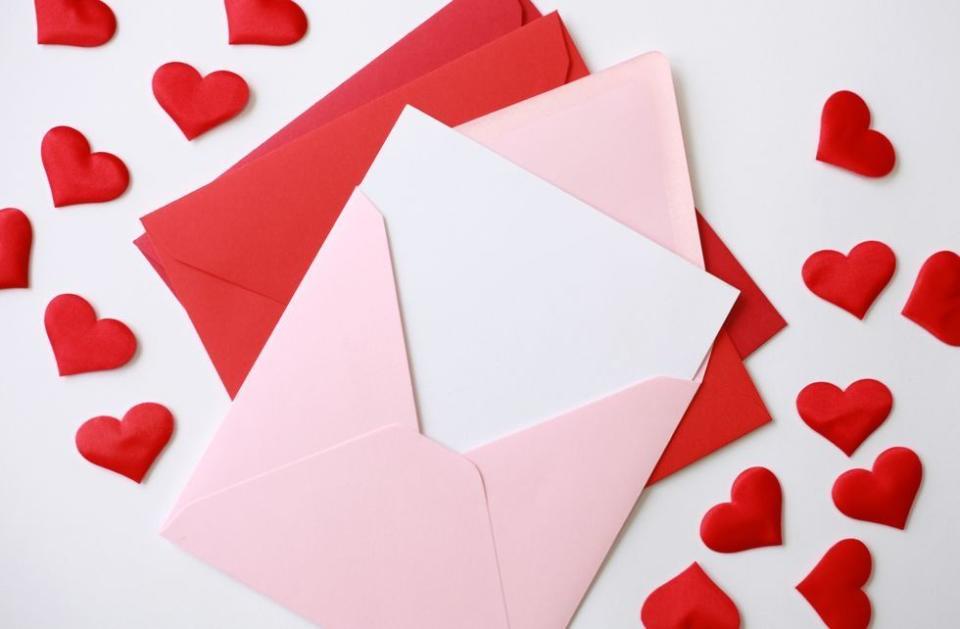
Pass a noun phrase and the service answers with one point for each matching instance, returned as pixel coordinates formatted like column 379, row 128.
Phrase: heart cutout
column 199, row 103
column 934, row 302
column 886, row 493
column 834, row 588
column 845, row 417
column 265, row 22
column 77, row 175
column 690, row 599
column 751, row 519
column 847, row 141
column 16, row 238
column 83, row 343
column 128, row 446
column 853, row 281
column 85, row 23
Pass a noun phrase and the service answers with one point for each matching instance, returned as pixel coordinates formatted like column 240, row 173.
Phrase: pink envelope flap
column 625, row 118
column 386, row 530
column 335, row 367
column 560, row 492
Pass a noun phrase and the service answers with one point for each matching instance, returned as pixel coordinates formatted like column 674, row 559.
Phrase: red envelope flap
column 754, row 320
column 260, row 226
column 455, row 30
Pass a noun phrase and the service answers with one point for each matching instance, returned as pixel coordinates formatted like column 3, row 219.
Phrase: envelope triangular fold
column 558, row 494
column 341, row 340
column 387, row 530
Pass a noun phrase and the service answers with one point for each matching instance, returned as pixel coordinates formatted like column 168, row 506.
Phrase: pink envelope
column 319, row 491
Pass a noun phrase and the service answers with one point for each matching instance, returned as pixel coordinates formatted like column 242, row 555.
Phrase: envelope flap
column 386, row 530
column 260, row 226
column 454, row 30
column 613, row 140
column 560, row 492
column 335, row 367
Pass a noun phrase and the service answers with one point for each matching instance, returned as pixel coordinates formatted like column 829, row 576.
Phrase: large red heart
column 265, row 22
column 197, row 103
column 884, row 495
column 84, row 23
column 128, row 446
column 83, row 343
column 77, row 175
column 934, row 303
column 853, row 281
column 751, row 519
column 847, row 141
column 16, row 238
column 690, row 600
column 845, row 417
column 834, row 588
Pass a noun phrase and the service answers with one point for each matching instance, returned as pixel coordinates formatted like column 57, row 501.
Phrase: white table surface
column 78, row 545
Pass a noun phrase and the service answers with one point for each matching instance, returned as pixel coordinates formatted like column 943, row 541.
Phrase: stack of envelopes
column 467, row 311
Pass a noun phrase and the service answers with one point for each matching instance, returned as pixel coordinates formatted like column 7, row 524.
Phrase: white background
column 78, row 546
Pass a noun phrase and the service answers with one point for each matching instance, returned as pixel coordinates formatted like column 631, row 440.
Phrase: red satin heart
column 84, row 23
column 834, row 588
column 16, row 238
column 197, row 103
column 751, row 519
column 83, row 343
column 884, row 495
column 129, row 446
column 934, row 303
column 75, row 174
column 845, row 417
column 847, row 141
column 854, row 281
column 690, row 600
column 265, row 22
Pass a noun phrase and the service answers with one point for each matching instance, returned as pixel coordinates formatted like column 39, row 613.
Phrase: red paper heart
column 75, row 174
column 16, row 237
column 847, row 141
column 884, row 495
column 934, row 303
column 84, row 23
column 853, row 281
column 690, row 600
column 845, row 417
column 266, row 22
column 128, row 446
column 834, row 588
column 83, row 343
column 197, row 103
column 751, row 519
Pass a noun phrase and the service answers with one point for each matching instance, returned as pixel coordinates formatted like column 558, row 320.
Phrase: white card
column 520, row 302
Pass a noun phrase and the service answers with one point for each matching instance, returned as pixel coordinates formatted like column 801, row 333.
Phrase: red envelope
column 234, row 251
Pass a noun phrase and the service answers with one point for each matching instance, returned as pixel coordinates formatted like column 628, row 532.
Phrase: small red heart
column 75, row 174
column 884, row 495
column 16, row 238
column 266, row 22
column 128, row 446
column 83, row 343
column 751, row 519
column 847, row 141
column 854, row 281
column 197, row 103
column 84, row 23
column 690, row 600
column 845, row 417
column 834, row 588
column 934, row 302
